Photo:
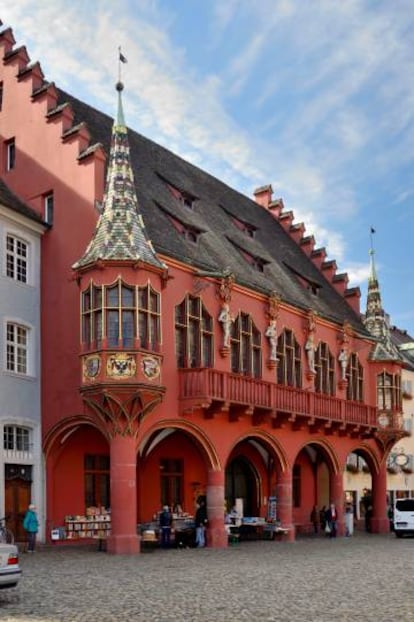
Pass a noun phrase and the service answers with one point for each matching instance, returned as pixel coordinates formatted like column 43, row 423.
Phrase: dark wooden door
column 17, row 499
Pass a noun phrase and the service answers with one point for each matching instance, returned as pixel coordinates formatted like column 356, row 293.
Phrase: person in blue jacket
column 31, row 526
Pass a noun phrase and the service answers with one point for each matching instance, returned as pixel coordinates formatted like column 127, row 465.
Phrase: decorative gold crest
column 121, row 365
column 91, row 366
column 150, row 367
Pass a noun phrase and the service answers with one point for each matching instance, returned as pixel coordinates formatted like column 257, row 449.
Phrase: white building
column 21, row 469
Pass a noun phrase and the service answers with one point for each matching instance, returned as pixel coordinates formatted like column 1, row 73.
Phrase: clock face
column 401, row 460
column 383, row 420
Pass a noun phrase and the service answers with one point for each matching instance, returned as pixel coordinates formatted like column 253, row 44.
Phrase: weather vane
column 121, row 59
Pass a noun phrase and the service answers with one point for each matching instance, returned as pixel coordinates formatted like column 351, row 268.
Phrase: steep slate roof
column 120, row 230
column 154, row 167
column 10, row 200
column 405, row 344
column 376, row 320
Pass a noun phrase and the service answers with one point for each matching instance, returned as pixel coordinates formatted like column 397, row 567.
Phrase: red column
column 284, row 501
column 216, row 534
column 123, row 538
column 379, row 522
column 336, row 485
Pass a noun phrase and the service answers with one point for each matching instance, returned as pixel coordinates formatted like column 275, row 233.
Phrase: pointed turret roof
column 120, row 231
column 376, row 320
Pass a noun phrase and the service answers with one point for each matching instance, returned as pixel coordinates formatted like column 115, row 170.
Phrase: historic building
column 21, row 469
column 194, row 341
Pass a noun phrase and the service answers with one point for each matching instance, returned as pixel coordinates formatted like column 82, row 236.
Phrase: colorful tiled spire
column 376, row 320
column 120, row 231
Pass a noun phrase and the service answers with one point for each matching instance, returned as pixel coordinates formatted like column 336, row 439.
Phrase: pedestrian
column 349, row 520
column 314, row 517
column 165, row 526
column 322, row 518
column 201, row 522
column 31, row 526
column 331, row 519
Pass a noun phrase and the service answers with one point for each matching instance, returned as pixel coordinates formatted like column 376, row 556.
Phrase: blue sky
column 315, row 97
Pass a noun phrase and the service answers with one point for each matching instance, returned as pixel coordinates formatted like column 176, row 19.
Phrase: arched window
column 121, row 313
column 388, row 391
column 193, row 334
column 325, row 370
column 245, row 342
column 289, row 367
column 355, row 379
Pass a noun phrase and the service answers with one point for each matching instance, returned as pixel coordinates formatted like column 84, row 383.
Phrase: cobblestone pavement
column 368, row 577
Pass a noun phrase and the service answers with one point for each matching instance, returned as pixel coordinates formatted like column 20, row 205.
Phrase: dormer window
column 304, row 281
column 245, row 227
column 189, row 233
column 183, row 196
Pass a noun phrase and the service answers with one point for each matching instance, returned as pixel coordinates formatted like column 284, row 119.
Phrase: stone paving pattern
column 366, row 577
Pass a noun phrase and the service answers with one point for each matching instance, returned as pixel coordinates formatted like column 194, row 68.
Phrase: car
column 404, row 517
column 10, row 571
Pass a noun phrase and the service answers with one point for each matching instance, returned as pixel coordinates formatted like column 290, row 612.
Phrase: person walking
column 31, row 526
column 165, row 525
column 200, row 522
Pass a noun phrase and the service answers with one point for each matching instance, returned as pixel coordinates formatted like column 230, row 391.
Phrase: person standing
column 165, row 525
column 331, row 519
column 314, row 517
column 31, row 526
column 201, row 522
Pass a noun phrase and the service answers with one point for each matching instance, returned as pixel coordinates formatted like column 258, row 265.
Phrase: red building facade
column 194, row 342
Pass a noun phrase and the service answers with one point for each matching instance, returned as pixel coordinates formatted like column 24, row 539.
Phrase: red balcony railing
column 205, row 386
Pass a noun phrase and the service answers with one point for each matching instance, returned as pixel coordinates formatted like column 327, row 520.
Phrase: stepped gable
column 10, row 200
column 289, row 271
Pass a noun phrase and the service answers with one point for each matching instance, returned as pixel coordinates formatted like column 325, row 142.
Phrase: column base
column 380, row 525
column 217, row 538
column 123, row 545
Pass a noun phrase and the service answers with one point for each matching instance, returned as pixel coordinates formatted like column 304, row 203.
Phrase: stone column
column 336, row 486
column 123, row 538
column 284, row 501
column 379, row 521
column 216, row 534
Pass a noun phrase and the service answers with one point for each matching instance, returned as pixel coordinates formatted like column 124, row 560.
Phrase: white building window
column 10, row 154
column 48, row 208
column 17, row 348
column 16, row 258
column 16, row 438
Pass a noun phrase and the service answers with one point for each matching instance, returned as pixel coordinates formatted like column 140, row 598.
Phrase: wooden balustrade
column 205, row 386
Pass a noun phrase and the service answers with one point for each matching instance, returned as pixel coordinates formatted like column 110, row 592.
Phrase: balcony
column 214, row 391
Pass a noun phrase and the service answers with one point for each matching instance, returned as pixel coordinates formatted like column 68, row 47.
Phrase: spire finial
column 120, row 87
column 373, row 274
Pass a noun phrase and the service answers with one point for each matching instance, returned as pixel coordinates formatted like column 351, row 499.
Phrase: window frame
column 355, row 379
column 246, row 346
column 10, row 154
column 17, row 435
column 194, row 334
column 15, row 351
column 107, row 314
column 389, row 394
column 325, row 370
column 17, row 263
column 48, row 208
column 289, row 354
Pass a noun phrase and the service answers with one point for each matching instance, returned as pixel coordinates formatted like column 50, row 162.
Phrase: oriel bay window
column 355, row 379
column 389, row 391
column 245, row 342
column 325, row 370
column 193, row 334
column 121, row 314
column 289, row 367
